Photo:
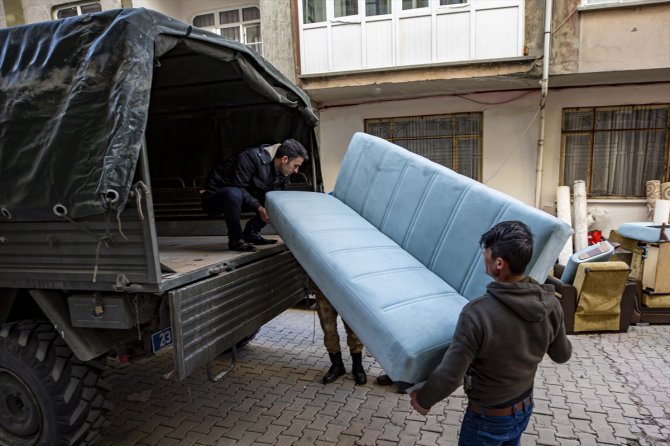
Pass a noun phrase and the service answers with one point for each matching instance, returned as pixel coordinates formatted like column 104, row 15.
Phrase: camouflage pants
column 328, row 319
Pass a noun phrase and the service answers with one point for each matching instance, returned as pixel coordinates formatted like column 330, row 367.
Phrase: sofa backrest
column 436, row 214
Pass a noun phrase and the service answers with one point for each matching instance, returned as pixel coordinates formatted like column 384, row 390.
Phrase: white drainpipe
column 543, row 99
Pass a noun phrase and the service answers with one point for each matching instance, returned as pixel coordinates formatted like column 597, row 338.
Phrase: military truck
column 109, row 124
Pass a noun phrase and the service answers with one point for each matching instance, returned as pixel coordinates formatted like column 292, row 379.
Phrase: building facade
column 266, row 26
column 460, row 82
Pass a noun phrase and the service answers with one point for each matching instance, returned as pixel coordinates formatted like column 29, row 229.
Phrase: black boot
column 336, row 370
column 357, row 369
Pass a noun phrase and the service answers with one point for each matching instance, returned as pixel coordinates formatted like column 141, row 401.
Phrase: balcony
column 343, row 35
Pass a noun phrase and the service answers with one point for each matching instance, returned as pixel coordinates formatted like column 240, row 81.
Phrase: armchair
column 593, row 304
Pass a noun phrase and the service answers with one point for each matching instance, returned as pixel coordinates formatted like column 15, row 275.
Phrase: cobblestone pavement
column 615, row 390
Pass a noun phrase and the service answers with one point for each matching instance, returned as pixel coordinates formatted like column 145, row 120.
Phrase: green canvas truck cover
column 74, row 105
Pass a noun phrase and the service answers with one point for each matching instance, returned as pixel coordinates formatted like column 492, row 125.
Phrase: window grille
column 73, row 10
column 616, row 150
column 452, row 140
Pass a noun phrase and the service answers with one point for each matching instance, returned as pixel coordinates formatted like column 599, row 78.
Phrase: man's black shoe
column 384, row 380
column 240, row 246
column 255, row 239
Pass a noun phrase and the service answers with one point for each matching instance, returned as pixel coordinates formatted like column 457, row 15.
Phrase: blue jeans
column 480, row 430
column 229, row 201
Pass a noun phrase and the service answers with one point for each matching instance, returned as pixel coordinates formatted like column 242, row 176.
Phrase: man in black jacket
column 499, row 341
column 240, row 184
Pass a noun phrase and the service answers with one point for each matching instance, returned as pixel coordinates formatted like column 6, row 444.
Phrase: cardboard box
column 634, row 247
column 656, row 268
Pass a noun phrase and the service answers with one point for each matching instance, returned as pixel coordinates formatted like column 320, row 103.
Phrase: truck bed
column 190, row 258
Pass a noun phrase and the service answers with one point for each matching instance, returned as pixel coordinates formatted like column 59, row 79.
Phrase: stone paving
column 614, row 391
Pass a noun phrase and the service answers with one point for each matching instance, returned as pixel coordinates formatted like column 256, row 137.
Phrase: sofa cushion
column 404, row 313
column 436, row 214
column 644, row 231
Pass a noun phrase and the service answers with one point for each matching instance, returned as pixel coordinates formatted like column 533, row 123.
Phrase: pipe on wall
column 543, row 100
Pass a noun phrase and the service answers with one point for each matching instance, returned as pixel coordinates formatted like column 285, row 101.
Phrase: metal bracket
column 122, row 282
column 210, row 367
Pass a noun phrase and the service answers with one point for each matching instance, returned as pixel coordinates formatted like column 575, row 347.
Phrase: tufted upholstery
column 395, row 248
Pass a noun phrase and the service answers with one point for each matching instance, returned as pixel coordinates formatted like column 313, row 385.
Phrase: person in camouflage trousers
column 331, row 339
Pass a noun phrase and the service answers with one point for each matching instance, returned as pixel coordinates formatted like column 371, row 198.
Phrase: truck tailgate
column 210, row 316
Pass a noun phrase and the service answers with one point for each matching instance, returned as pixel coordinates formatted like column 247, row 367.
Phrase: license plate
column 161, row 339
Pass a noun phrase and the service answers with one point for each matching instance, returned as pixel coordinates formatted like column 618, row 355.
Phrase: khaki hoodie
column 500, row 339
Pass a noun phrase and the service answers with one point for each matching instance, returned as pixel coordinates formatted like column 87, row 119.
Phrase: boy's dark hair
column 512, row 241
column 292, row 149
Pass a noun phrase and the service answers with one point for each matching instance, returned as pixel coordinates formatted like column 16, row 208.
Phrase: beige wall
column 277, row 35
column 613, row 39
column 620, row 211
column 42, row 10
column 275, row 23
column 510, row 136
column 167, row 7
column 602, row 39
column 3, row 18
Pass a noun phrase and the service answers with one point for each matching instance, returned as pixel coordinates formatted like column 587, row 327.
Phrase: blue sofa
column 395, row 248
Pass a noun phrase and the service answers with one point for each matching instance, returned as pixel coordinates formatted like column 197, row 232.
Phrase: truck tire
column 47, row 396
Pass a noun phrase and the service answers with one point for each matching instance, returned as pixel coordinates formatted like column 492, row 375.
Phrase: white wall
column 509, row 154
column 509, row 138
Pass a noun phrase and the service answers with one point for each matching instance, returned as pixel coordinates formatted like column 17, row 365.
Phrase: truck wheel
column 47, row 395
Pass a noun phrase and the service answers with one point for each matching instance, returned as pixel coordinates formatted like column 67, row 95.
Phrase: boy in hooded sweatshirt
column 500, row 339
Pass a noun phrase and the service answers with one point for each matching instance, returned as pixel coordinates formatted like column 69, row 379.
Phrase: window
column 242, row 25
column 414, row 4
column 346, row 7
column 377, row 7
column 314, row 11
column 453, row 140
column 451, row 2
column 616, row 150
column 73, row 10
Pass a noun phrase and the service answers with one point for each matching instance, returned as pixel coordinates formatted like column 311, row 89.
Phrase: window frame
column 78, row 5
column 591, row 133
column 477, row 158
column 241, row 25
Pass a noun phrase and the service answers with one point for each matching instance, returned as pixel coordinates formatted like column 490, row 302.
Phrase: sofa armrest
column 567, row 295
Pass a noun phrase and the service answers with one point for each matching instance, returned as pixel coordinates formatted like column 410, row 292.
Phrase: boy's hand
column 416, row 406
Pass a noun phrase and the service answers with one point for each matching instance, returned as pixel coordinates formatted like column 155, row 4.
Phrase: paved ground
column 615, row 390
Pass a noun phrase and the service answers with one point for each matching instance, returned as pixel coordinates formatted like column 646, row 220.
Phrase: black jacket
column 252, row 171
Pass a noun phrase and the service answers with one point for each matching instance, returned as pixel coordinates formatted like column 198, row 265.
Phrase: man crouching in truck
column 240, row 184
